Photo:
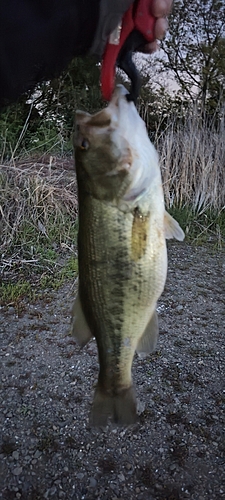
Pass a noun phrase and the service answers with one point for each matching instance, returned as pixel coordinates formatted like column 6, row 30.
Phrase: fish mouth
column 120, row 108
column 119, row 92
column 123, row 113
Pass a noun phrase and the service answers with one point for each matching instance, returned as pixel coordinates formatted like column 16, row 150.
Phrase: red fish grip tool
column 138, row 19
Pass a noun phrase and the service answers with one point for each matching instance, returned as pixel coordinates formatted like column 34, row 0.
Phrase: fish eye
column 84, row 144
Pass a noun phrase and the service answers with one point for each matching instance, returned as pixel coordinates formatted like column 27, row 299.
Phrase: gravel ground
column 176, row 451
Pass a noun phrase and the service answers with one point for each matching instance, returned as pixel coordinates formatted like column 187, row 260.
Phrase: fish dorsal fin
column 79, row 327
column 148, row 341
column 172, row 228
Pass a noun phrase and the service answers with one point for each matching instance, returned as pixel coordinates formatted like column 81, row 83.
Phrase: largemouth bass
column 121, row 249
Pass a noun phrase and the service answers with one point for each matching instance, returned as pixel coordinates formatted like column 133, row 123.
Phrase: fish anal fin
column 172, row 229
column 79, row 327
column 148, row 341
column 120, row 408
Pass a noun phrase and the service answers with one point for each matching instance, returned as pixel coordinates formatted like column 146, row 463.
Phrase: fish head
column 103, row 156
column 109, row 147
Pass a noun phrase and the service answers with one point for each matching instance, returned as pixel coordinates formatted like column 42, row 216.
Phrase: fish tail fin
column 120, row 408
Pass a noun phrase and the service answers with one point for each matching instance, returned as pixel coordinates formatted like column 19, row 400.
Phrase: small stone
column 61, row 494
column 37, row 454
column 121, row 477
column 17, row 471
column 15, row 455
column 80, row 475
column 128, row 466
column 18, row 494
column 92, row 482
column 113, row 486
column 140, row 406
column 52, row 491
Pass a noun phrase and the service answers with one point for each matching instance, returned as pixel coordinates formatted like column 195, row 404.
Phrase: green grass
column 37, row 282
column 12, row 292
column 199, row 228
column 30, row 243
column 38, row 231
column 29, row 273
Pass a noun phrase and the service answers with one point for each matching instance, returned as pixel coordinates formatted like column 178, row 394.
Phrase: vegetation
column 42, row 122
column 38, row 205
column 192, row 154
column 38, row 199
column 195, row 49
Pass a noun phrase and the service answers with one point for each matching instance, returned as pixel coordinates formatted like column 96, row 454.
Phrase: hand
column 160, row 9
column 111, row 13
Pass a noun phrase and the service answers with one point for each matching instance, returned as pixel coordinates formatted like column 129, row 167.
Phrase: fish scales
column 125, row 288
column 122, row 262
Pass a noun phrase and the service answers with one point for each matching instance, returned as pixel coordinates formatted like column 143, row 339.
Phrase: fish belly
column 122, row 272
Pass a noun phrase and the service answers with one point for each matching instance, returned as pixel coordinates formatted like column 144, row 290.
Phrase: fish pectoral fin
column 172, row 229
column 148, row 341
column 79, row 327
column 121, row 408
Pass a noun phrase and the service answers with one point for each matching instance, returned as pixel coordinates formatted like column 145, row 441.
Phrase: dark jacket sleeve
column 110, row 15
column 38, row 38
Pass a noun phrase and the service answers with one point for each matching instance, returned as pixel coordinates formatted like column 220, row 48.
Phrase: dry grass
column 192, row 156
column 36, row 197
column 35, row 194
column 38, row 228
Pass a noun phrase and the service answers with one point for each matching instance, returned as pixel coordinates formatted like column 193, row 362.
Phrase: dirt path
column 177, row 449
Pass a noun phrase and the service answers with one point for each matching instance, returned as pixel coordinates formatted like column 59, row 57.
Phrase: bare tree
column 195, row 48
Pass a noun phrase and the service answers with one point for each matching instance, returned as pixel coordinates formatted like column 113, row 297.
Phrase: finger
column 160, row 8
column 161, row 27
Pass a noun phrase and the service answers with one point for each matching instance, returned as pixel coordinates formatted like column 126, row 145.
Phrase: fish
column 122, row 254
